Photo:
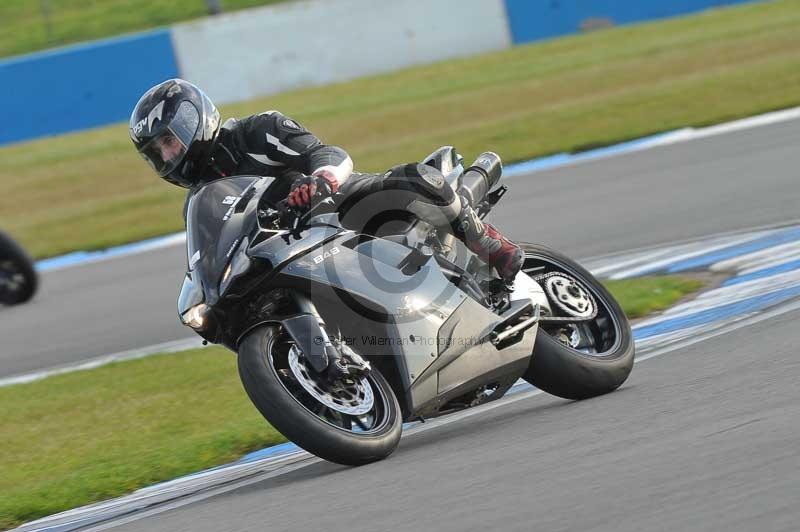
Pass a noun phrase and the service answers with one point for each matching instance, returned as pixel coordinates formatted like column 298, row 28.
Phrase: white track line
column 166, row 347
column 757, row 258
column 658, row 140
column 766, row 119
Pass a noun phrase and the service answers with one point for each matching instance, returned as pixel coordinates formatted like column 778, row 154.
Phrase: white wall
column 255, row 52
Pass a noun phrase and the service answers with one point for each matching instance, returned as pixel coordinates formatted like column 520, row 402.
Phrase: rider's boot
column 481, row 238
column 485, row 241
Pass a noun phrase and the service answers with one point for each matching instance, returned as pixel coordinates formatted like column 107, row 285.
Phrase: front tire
column 18, row 279
column 291, row 409
column 562, row 370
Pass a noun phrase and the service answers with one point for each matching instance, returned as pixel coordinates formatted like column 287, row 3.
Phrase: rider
column 176, row 128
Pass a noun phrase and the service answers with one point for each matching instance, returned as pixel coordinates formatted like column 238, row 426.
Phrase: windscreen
column 216, row 222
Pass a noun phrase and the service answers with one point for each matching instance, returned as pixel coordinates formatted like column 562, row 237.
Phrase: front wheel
column 18, row 279
column 352, row 422
column 585, row 348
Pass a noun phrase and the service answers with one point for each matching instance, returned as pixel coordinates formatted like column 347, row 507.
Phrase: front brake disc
column 353, row 397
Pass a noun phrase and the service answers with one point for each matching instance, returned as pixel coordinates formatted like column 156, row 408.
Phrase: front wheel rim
column 358, row 422
column 353, row 397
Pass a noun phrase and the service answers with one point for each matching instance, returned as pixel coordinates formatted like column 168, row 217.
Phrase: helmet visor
column 167, row 150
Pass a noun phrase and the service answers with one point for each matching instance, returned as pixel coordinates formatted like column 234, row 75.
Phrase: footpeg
column 519, row 318
column 498, row 296
column 499, row 338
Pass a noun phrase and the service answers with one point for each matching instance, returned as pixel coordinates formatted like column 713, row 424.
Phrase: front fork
column 307, row 329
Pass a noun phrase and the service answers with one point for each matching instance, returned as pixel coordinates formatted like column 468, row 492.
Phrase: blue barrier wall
column 94, row 84
column 531, row 20
column 80, row 86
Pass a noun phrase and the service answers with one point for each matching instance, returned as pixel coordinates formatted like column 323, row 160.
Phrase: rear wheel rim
column 598, row 337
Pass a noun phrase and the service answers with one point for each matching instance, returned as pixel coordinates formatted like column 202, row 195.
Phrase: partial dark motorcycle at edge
column 414, row 323
column 18, row 279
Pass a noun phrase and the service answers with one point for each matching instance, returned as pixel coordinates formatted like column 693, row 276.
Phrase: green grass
column 90, row 190
column 24, row 28
column 91, row 435
column 646, row 295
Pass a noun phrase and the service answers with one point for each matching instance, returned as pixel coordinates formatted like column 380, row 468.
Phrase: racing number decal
column 328, row 254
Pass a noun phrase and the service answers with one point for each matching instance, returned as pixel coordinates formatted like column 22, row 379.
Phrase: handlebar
column 297, row 217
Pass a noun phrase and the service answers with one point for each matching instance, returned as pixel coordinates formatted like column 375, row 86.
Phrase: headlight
column 195, row 317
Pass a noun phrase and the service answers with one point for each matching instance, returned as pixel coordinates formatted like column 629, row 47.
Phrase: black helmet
column 174, row 127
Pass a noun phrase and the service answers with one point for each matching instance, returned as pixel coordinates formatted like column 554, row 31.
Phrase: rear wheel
column 586, row 347
column 352, row 422
column 18, row 279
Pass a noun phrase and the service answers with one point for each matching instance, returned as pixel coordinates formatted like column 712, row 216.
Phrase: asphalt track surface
column 700, row 438
column 703, row 438
column 722, row 183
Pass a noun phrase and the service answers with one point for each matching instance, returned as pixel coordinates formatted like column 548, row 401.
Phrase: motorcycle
column 420, row 326
column 18, row 279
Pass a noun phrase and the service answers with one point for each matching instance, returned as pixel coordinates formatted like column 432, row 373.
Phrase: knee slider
column 421, row 179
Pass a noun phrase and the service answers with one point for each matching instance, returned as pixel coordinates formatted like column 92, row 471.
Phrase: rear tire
column 18, row 278
column 561, row 370
column 288, row 415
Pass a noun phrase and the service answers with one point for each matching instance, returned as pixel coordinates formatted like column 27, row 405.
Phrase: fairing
column 218, row 217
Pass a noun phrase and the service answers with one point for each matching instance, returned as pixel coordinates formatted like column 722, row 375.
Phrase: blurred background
column 389, row 81
column 398, row 77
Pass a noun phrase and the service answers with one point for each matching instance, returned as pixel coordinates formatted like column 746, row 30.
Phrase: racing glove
column 309, row 189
